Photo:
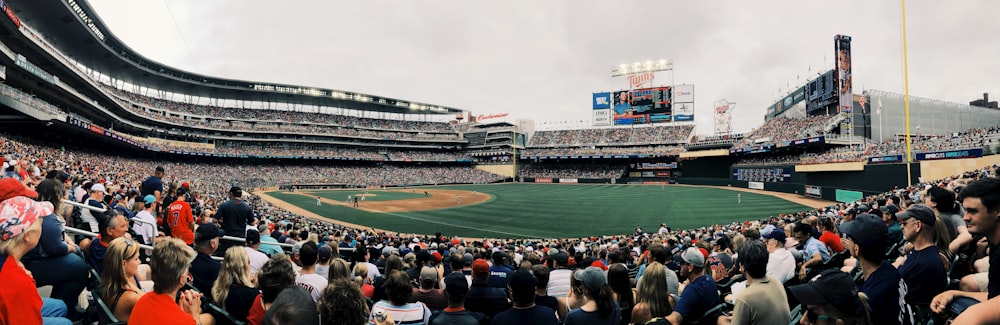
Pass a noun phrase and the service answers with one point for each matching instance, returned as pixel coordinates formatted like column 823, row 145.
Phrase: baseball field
column 539, row 210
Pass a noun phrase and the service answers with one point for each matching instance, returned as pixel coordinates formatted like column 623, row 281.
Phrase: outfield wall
column 502, row 170
column 939, row 169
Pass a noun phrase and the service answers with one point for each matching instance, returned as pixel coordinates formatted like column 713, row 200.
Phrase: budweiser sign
column 481, row 117
column 637, row 80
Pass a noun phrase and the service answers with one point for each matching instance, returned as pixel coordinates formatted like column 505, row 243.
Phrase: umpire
column 234, row 215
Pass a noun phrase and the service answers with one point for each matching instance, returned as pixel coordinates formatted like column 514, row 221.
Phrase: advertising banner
column 671, row 165
column 634, row 174
column 602, row 100
column 814, row 191
column 543, row 180
column 683, row 112
column 662, row 174
column 602, row 117
column 568, row 181
column 953, row 154
column 648, row 174
column 848, row 196
column 770, row 175
column 755, row 185
column 842, row 45
column 885, row 159
column 684, row 94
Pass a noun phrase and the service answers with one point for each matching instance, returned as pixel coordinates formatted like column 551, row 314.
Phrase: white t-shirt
column 314, row 283
column 257, row 259
column 146, row 230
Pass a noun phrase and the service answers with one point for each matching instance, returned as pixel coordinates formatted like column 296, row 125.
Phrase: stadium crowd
column 784, row 129
column 569, row 171
column 656, row 134
column 602, row 151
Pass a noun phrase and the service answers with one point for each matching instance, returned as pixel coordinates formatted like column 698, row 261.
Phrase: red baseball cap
column 10, row 187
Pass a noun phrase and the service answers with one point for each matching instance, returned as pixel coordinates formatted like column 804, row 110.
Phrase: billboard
column 814, row 191
column 684, row 94
column 842, row 45
column 768, row 175
column 653, row 102
column 602, row 100
column 821, row 92
column 622, row 112
column 684, row 112
column 783, row 104
column 683, row 103
column 602, row 117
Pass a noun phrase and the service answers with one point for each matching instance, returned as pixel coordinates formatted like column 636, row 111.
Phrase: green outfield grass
column 374, row 195
column 562, row 210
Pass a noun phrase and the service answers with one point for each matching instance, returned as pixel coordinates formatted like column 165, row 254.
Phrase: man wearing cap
column 433, row 298
column 559, row 278
column 866, row 238
column 146, row 228
column 257, row 259
column 894, row 228
column 325, row 257
column 922, row 270
column 204, row 269
column 499, row 272
column 981, row 201
column 780, row 262
column 153, row 185
column 764, row 300
column 456, row 288
column 524, row 311
column 700, row 295
column 482, row 297
column 180, row 219
column 234, row 215
column 833, row 296
column 96, row 199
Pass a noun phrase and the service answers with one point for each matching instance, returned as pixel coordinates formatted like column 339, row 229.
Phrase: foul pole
column 906, row 98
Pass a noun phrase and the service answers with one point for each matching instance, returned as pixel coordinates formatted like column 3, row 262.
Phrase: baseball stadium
column 156, row 194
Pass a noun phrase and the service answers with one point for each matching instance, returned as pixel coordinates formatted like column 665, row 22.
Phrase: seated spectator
column 482, row 297
column 275, row 276
column 170, row 262
column 815, row 252
column 325, row 256
column 342, row 303
column 362, row 281
column 433, row 298
column 867, row 238
column 764, row 300
column 307, row 277
column 922, row 270
column 20, row 230
column 832, row 296
column 398, row 288
column 339, row 269
column 120, row 288
column 456, row 287
column 293, row 305
column 595, row 298
column 620, row 283
column 780, row 262
column 113, row 225
column 234, row 288
column 700, row 295
column 541, row 273
column 257, row 259
column 524, row 311
column 654, row 299
column 204, row 269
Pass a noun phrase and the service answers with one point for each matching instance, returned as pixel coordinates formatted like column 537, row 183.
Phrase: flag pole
column 906, row 97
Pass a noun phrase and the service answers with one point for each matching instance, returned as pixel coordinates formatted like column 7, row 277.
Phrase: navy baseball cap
column 866, row 230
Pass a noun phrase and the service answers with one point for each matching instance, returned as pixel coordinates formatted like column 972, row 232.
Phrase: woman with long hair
column 342, row 303
column 119, row 284
column 234, row 288
column 654, row 298
column 624, row 294
column 362, row 281
column 596, row 299
column 339, row 269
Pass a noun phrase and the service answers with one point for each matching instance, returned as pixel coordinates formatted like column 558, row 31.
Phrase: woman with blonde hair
column 234, row 288
column 119, row 284
column 339, row 269
column 362, row 280
column 654, row 300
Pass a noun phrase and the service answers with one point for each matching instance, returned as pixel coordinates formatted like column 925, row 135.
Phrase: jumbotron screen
column 653, row 104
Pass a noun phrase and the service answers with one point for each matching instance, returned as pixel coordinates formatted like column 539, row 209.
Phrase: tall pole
column 513, row 146
column 906, row 97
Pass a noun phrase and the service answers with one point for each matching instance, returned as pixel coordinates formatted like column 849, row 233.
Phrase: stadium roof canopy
column 74, row 28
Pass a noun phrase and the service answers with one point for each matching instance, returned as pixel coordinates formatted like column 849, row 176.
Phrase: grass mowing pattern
column 562, row 210
column 374, row 195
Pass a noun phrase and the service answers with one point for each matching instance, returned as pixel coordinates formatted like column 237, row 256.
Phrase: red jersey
column 157, row 308
column 257, row 312
column 19, row 299
column 179, row 219
column 832, row 241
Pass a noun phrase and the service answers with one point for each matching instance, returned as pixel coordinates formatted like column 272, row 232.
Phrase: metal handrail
column 85, row 206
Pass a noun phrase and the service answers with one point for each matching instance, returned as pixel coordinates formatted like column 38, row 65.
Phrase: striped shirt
column 412, row 313
column 559, row 282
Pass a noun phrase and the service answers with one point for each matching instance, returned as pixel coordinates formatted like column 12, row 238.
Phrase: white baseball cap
column 98, row 187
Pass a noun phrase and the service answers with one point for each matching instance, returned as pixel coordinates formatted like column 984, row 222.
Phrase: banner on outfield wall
column 568, row 181
column 543, row 180
column 655, row 182
column 954, row 154
column 662, row 174
column 814, row 191
column 848, row 196
column 885, row 159
column 755, row 185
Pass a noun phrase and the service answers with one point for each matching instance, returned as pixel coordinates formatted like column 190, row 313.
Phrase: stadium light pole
column 906, row 97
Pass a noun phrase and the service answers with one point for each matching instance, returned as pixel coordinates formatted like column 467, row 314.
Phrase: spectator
column 179, row 218
column 153, row 185
column 700, row 294
column 541, row 273
column 234, row 288
column 399, row 290
column 362, row 281
column 325, row 256
column 816, row 253
column 832, row 296
column 829, row 236
column 456, row 288
column 204, row 269
column 499, row 272
column 339, row 269
column 655, row 301
column 20, row 230
column 307, row 277
column 120, row 287
column 342, row 304
column 272, row 248
column 433, row 298
column 780, row 262
column 275, row 276
column 559, row 278
column 293, row 305
column 524, row 311
column 922, row 270
column 618, row 279
column 942, row 201
column 234, row 215
column 867, row 238
column 597, row 303
column 145, row 224
column 113, row 225
column 169, row 263
column 482, row 297
column 892, row 223
column 257, row 259
column 764, row 300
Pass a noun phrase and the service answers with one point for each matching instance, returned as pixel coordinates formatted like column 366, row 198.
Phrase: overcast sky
column 541, row 60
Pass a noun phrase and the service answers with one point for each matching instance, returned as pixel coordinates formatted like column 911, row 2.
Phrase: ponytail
column 605, row 299
column 865, row 315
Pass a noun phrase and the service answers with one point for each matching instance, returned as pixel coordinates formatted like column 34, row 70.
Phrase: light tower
column 723, row 117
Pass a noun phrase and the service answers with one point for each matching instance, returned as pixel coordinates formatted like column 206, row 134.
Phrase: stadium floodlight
column 640, row 67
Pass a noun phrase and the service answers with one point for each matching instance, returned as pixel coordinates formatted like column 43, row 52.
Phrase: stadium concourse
column 29, row 163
